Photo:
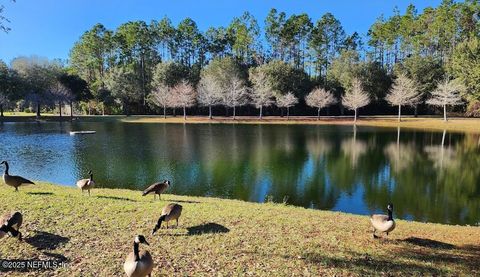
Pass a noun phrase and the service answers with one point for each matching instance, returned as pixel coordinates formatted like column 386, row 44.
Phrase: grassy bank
column 426, row 123
column 224, row 237
column 468, row 125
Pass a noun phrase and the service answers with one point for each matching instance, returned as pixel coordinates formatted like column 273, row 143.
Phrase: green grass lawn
column 223, row 237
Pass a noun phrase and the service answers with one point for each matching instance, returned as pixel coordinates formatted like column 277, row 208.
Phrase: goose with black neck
column 13, row 181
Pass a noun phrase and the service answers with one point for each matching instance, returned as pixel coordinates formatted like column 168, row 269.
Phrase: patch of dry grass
column 426, row 123
column 457, row 124
column 223, row 237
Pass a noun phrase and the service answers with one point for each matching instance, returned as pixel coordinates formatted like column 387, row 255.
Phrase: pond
column 429, row 176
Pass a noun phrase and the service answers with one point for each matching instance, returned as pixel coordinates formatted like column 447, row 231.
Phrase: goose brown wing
column 145, row 256
column 176, row 210
column 162, row 187
column 21, row 180
column 172, row 209
column 150, row 189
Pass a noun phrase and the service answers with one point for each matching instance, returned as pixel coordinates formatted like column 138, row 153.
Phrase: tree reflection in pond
column 430, row 176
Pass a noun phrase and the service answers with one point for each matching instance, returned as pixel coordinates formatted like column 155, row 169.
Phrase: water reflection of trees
column 314, row 166
column 438, row 180
column 354, row 148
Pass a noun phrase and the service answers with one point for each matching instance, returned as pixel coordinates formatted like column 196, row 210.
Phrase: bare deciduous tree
column 236, row 94
column 446, row 94
column 355, row 97
column 161, row 97
column 320, row 98
column 262, row 92
column 404, row 92
column 209, row 93
column 286, row 101
column 183, row 95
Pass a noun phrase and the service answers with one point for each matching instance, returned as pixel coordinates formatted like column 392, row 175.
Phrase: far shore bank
column 456, row 124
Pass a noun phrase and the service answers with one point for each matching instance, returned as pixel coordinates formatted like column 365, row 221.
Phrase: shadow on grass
column 467, row 256
column 56, row 261
column 365, row 264
column 115, row 198
column 207, row 228
column 46, row 241
column 428, row 243
column 411, row 256
column 40, row 193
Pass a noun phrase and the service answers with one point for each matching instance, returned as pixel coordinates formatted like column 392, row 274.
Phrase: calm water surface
column 429, row 176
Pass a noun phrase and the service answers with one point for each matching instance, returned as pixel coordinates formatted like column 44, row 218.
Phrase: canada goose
column 170, row 212
column 157, row 188
column 14, row 181
column 383, row 223
column 86, row 184
column 138, row 263
column 11, row 223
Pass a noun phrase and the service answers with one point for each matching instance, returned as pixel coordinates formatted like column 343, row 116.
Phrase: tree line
column 412, row 60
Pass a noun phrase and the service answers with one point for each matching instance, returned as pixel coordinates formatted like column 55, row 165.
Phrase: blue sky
column 49, row 28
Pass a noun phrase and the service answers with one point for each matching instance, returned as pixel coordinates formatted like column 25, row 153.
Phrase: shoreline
column 455, row 124
column 223, row 236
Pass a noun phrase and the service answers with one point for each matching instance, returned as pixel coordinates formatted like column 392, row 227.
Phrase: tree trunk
column 103, row 109
column 71, row 110
column 399, row 113
column 318, row 114
column 281, row 112
column 226, row 111
column 210, row 112
column 184, row 113
column 125, row 108
column 416, row 111
column 261, row 110
column 38, row 109
column 355, row 116
column 445, row 113
column 60, row 109
column 174, row 112
column 164, row 111
column 234, row 113
column 1, row 110
column 288, row 113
